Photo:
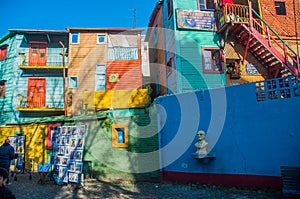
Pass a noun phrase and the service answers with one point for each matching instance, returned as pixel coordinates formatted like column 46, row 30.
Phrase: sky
column 62, row 14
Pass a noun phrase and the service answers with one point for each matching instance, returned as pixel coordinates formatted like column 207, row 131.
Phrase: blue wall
column 247, row 136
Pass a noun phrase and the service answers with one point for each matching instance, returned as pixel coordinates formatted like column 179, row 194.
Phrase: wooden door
column 37, row 54
column 36, row 95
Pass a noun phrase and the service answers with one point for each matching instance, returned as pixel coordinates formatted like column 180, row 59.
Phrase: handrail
column 241, row 13
column 275, row 33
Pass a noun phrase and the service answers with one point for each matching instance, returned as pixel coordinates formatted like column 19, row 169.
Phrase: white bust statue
column 201, row 145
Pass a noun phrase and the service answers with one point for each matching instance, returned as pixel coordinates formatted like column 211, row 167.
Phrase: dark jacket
column 7, row 153
column 5, row 193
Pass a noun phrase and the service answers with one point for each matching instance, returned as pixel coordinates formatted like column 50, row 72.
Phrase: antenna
column 134, row 17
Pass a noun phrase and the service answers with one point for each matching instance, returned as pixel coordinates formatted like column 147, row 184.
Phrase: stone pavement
column 24, row 188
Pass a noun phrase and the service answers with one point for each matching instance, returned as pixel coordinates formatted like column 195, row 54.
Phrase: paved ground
column 25, row 188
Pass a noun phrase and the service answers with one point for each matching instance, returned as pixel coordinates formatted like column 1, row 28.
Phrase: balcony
column 122, row 53
column 40, row 107
column 50, row 63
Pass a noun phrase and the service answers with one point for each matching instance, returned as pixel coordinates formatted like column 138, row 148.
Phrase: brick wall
column 284, row 25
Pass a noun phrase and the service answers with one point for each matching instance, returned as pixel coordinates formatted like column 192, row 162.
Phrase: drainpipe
column 64, row 76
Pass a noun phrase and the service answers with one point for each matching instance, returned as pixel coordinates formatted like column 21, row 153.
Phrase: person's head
column 3, row 176
column 7, row 141
column 201, row 135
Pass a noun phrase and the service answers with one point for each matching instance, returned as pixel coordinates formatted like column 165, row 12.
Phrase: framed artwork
column 73, row 177
column 78, row 167
column 71, row 167
column 62, row 171
column 73, row 143
column 78, row 155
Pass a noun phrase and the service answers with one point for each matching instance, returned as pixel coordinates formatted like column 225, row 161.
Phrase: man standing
column 7, row 154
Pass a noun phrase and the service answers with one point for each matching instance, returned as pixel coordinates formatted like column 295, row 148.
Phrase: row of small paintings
column 74, row 156
column 71, row 130
column 69, row 141
column 67, row 176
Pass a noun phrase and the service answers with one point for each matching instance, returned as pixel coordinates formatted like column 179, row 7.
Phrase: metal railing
column 122, row 53
column 53, row 59
column 241, row 13
column 50, row 105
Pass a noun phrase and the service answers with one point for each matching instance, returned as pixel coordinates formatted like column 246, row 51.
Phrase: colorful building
column 105, row 64
column 32, row 74
column 207, row 44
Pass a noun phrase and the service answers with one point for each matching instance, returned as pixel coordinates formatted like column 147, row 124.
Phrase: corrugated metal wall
column 129, row 72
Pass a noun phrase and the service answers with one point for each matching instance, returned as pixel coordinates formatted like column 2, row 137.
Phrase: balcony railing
column 39, row 105
column 54, row 60
column 122, row 53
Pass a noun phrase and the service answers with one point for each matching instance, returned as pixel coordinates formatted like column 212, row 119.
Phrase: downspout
column 64, row 76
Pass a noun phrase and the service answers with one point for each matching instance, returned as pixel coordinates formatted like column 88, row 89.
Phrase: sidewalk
column 24, row 188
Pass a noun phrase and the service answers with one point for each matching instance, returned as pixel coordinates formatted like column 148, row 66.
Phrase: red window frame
column 212, row 57
column 3, row 52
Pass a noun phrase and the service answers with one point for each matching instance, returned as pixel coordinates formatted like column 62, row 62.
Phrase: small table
column 43, row 170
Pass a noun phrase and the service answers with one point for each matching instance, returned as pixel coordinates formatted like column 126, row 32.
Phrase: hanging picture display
column 68, row 144
column 18, row 143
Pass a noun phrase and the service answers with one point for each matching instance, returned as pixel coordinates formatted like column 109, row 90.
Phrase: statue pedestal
column 204, row 158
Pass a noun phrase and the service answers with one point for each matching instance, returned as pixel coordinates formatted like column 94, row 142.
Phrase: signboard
column 195, row 19
column 251, row 69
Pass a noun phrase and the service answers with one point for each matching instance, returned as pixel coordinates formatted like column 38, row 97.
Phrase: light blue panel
column 247, row 136
column 54, row 92
column 186, row 4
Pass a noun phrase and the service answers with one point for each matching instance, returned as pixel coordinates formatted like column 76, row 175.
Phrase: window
column 100, row 77
column 211, row 60
column 101, row 39
column 119, row 135
column 74, row 38
column 3, row 52
column 170, row 8
column 2, row 88
column 206, row 4
column 73, row 82
column 280, row 8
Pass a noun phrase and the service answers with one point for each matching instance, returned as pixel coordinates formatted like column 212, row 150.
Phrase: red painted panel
column 129, row 75
column 239, row 180
column 36, row 93
column 37, row 54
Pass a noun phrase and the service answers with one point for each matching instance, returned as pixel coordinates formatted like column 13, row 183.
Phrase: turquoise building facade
column 191, row 46
column 33, row 65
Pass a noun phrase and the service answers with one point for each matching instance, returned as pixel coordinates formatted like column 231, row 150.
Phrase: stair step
column 267, row 56
column 264, row 53
column 255, row 45
column 259, row 50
